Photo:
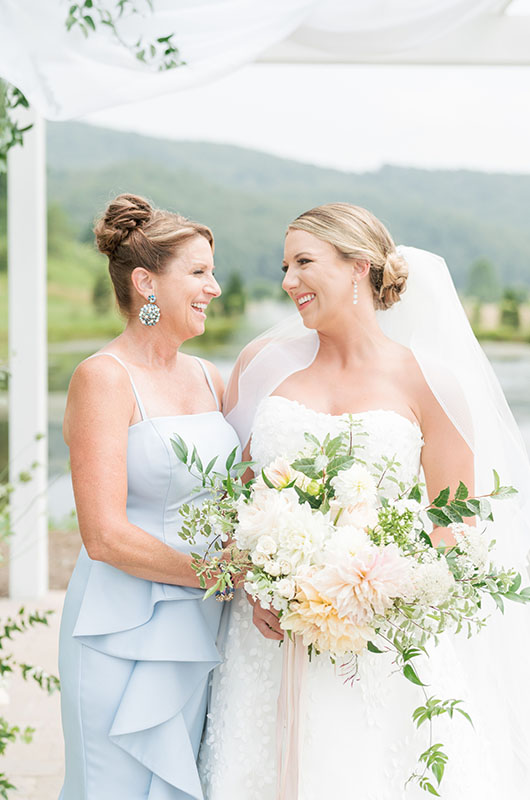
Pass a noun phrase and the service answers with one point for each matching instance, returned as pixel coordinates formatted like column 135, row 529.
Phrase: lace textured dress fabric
column 357, row 741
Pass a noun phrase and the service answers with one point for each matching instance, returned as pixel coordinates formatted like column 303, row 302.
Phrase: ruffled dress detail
column 135, row 655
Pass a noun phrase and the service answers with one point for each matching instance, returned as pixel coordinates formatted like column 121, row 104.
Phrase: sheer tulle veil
column 430, row 320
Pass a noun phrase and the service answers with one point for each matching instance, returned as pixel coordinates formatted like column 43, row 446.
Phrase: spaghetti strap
column 209, row 381
column 135, row 391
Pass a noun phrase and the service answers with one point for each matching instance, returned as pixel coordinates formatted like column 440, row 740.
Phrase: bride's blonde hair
column 356, row 233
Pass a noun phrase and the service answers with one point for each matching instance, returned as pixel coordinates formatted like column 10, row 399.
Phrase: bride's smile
column 320, row 282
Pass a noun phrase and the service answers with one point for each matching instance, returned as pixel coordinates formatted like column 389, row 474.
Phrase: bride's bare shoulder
column 402, row 359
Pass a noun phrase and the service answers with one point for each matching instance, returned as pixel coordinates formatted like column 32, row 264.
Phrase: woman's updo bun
column 126, row 213
column 358, row 234
column 132, row 233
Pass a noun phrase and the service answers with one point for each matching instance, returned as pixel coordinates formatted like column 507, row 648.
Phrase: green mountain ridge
column 249, row 197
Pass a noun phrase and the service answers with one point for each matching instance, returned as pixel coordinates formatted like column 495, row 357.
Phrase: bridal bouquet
column 341, row 550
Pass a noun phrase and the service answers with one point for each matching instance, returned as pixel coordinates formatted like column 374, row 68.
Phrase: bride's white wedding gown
column 358, row 741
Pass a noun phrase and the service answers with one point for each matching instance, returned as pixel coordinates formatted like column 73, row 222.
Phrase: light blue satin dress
column 135, row 655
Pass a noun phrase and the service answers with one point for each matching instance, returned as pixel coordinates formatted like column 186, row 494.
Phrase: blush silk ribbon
column 288, row 720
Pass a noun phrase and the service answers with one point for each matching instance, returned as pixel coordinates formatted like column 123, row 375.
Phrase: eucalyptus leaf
column 231, row 458
column 210, row 465
column 180, row 448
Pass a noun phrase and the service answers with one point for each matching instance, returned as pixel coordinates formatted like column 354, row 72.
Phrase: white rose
column 272, row 567
column 266, row 545
column 285, row 566
column 286, row 587
column 259, row 559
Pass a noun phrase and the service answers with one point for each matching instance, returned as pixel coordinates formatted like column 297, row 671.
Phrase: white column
column 28, row 380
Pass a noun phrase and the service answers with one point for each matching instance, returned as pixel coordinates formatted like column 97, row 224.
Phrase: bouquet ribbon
column 288, row 724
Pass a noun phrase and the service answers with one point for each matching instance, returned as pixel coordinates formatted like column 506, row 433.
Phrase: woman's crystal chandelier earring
column 150, row 312
column 355, row 293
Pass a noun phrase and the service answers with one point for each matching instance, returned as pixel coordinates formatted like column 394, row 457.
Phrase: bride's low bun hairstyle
column 132, row 233
column 389, row 281
column 357, row 234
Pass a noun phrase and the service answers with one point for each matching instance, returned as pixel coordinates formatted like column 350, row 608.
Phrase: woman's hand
column 266, row 621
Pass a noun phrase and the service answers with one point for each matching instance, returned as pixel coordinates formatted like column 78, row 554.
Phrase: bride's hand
column 266, row 621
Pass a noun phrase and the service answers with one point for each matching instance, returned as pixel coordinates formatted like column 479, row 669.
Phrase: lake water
column 511, row 363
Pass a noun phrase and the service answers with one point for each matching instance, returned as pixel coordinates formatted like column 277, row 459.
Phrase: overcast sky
column 353, row 117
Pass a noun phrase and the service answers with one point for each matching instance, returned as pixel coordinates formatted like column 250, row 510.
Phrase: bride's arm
column 446, row 457
column 99, row 409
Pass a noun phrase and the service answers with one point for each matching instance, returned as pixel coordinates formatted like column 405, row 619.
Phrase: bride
column 383, row 338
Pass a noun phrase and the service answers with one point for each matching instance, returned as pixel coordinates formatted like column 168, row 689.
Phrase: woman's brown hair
column 134, row 234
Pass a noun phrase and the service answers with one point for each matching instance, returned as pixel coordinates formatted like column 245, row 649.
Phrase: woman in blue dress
column 137, row 640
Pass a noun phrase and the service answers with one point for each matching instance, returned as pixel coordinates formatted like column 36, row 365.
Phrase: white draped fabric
column 66, row 75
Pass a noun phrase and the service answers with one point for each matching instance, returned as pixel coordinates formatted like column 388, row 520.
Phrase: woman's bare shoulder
column 98, row 385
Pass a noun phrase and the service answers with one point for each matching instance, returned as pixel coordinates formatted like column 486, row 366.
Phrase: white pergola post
column 28, row 380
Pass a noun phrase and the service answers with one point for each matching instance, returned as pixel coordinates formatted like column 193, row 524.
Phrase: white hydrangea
column 433, row 582
column 280, row 603
column 406, row 504
column 260, row 588
column 473, row 544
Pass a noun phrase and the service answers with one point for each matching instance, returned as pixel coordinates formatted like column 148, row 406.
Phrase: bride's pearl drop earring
column 355, row 293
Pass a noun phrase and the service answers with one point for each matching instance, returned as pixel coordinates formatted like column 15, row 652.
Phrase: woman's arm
column 446, row 458
column 99, row 409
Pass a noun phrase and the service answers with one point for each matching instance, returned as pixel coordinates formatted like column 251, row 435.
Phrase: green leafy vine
column 11, row 133
column 160, row 53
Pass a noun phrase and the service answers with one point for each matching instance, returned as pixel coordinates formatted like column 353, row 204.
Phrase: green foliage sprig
column 161, row 53
column 11, row 133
